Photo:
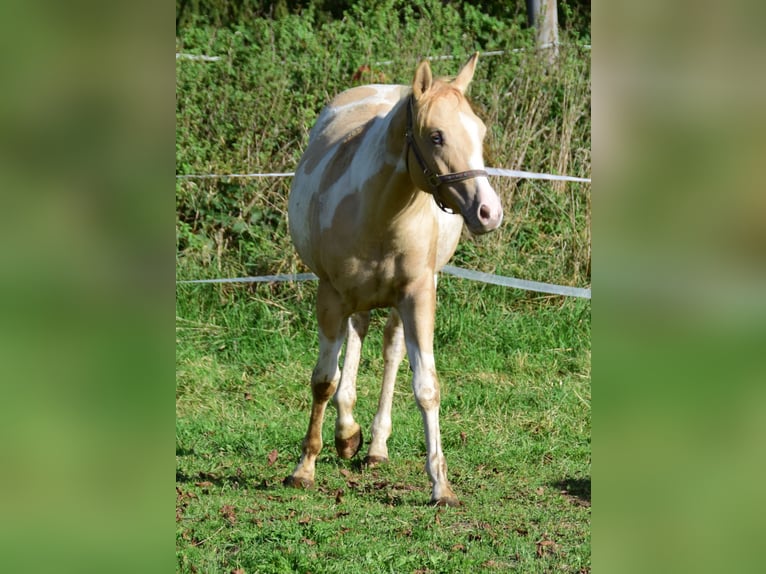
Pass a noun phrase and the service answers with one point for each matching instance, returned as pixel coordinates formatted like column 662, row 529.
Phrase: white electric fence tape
column 227, row 175
column 203, row 58
column 197, row 57
column 490, row 170
column 517, row 283
column 485, row 54
column 260, row 279
column 448, row 269
column 533, row 175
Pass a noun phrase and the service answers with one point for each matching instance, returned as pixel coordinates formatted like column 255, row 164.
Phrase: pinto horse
column 376, row 209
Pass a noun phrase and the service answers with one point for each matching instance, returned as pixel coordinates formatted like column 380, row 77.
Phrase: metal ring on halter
column 434, row 179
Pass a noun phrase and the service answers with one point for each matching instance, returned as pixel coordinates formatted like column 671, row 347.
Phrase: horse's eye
column 437, row 138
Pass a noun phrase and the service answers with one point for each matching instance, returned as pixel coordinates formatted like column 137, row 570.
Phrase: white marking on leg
column 345, row 396
column 418, row 330
column 324, row 378
column 425, row 386
column 393, row 354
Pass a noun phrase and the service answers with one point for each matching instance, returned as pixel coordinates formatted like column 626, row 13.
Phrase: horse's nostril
column 484, row 212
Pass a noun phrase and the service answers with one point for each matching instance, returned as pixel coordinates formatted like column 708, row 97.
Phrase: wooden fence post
column 543, row 15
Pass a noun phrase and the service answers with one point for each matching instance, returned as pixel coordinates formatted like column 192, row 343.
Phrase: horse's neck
column 387, row 153
column 383, row 148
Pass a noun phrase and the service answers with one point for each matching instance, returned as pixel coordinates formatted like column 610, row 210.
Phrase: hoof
column 450, row 501
column 348, row 447
column 297, row 482
column 371, row 461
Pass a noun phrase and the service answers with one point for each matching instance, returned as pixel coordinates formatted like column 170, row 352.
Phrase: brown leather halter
column 434, row 179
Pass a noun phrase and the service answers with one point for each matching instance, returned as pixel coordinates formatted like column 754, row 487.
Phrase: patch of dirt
column 182, row 502
column 546, row 546
column 229, row 513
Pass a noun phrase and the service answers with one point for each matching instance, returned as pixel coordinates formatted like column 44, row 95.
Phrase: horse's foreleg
column 348, row 434
column 417, row 309
column 324, row 381
column 393, row 353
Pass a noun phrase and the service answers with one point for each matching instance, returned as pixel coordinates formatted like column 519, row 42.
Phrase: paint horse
column 376, row 208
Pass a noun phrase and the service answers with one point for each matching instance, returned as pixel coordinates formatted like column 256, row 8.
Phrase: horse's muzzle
column 482, row 212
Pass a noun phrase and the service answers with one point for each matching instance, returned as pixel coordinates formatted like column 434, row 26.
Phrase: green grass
column 514, row 370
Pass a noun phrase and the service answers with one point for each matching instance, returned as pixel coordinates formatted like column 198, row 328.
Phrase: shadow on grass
column 577, row 490
column 236, row 480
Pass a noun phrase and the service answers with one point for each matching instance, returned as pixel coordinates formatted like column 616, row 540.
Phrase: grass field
column 515, row 422
column 514, row 366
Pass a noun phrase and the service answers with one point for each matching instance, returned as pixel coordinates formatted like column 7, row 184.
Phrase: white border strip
column 490, row 170
column 448, row 269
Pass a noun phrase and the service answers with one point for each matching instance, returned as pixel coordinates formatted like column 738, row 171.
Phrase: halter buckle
column 432, row 179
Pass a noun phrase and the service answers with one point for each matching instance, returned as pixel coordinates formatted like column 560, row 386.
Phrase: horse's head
column 445, row 138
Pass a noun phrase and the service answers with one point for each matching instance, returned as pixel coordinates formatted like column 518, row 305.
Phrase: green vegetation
column 574, row 14
column 514, row 366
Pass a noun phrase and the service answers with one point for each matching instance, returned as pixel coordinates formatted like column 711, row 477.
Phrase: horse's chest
column 366, row 283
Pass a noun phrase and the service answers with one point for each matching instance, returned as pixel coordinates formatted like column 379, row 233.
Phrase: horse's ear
column 465, row 75
column 423, row 79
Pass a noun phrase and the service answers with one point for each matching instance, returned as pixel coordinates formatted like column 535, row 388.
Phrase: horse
column 376, row 209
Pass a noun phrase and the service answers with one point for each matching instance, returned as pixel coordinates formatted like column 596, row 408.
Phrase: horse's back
column 350, row 110
column 333, row 141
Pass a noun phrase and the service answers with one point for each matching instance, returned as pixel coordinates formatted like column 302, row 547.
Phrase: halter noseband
column 434, row 179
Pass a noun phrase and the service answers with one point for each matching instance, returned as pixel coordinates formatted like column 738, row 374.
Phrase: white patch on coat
column 371, row 148
column 486, row 193
column 472, row 128
column 305, row 186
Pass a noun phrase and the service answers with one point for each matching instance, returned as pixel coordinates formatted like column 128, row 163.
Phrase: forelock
column 440, row 92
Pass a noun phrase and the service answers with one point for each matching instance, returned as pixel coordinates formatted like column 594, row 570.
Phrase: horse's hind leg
column 348, row 434
column 393, row 353
column 324, row 381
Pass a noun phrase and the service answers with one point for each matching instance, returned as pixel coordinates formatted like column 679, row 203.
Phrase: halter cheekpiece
column 434, row 179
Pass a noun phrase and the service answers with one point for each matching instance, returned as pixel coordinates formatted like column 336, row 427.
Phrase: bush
column 252, row 111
